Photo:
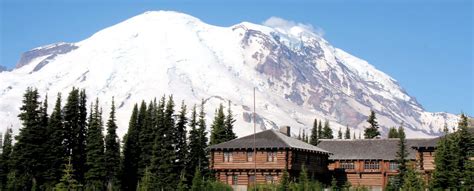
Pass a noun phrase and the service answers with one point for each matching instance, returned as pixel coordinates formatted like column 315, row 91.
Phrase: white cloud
column 287, row 25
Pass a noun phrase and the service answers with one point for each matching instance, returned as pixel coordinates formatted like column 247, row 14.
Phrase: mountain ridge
column 298, row 75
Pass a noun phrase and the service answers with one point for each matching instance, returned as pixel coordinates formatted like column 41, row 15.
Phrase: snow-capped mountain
column 297, row 74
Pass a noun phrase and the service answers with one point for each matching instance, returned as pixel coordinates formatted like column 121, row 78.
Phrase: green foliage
column 197, row 145
column 198, row 183
column 216, row 186
column 28, row 158
column 334, row 186
column 217, row 129
column 372, row 131
column 347, row 134
column 147, row 181
column 112, row 151
column 75, row 116
column 402, row 160
column 229, row 125
column 95, row 158
column 56, row 154
column 130, row 153
column 327, row 131
column 303, row 180
column 314, row 139
column 393, row 133
column 67, row 182
column 145, row 137
column 5, row 166
column 284, row 181
column 339, row 134
column 181, row 146
column 412, row 180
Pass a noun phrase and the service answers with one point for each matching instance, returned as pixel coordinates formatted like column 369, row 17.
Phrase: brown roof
column 371, row 149
column 267, row 139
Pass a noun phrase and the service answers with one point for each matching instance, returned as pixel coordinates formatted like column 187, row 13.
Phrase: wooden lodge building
column 372, row 162
column 234, row 162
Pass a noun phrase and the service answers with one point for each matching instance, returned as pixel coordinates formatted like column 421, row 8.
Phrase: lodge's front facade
column 372, row 162
column 235, row 162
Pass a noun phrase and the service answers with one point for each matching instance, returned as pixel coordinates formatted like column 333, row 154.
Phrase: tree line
column 67, row 149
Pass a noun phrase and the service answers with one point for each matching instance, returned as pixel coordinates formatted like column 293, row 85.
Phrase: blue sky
column 426, row 45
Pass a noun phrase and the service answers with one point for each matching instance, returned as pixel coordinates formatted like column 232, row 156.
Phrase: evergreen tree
column 314, row 133
column 303, row 182
column 347, row 134
column 67, row 182
column 393, row 133
column 412, row 180
column 198, row 183
column 443, row 162
column 327, row 131
column 229, row 125
column 95, row 157
column 196, row 151
column 56, row 154
column 320, row 130
column 181, row 146
column 5, row 156
column 75, row 114
column 167, row 178
column 339, row 134
column 401, row 155
column 462, row 149
column 182, row 182
column 143, row 132
column 28, row 158
column 158, row 147
column 217, row 128
column 146, row 182
column 284, row 181
column 203, row 163
column 112, row 152
column 129, row 176
column 372, row 131
column 147, row 136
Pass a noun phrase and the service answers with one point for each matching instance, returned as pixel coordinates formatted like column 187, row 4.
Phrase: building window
column 393, row 165
column 271, row 156
column 371, row 165
column 347, row 165
column 228, row 157
column 235, row 180
column 250, row 156
column 251, row 179
column 269, row 179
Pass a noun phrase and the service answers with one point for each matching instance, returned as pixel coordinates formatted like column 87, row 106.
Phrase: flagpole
column 254, row 147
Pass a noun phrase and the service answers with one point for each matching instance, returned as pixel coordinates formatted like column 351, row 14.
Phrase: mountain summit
column 297, row 74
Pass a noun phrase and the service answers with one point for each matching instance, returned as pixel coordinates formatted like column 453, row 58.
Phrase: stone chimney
column 285, row 130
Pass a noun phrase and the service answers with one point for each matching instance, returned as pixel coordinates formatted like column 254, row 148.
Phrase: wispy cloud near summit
column 288, row 25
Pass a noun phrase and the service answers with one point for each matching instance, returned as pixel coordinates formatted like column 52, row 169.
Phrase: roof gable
column 265, row 140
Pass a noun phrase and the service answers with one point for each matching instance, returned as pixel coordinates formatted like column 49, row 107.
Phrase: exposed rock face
column 50, row 51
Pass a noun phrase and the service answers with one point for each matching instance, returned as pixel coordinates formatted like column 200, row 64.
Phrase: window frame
column 250, row 156
column 271, row 156
column 371, row 165
column 227, row 156
column 349, row 165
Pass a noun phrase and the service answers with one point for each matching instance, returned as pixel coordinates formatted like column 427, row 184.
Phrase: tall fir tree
column 55, row 144
column 181, row 146
column 314, row 134
column 79, row 153
column 327, row 131
column 462, row 149
column 339, row 133
column 158, row 147
column 203, row 162
column 147, row 137
column 28, row 158
column 218, row 127
column 129, row 176
column 229, row 125
column 142, row 126
column 67, row 181
column 347, row 134
column 5, row 166
column 112, row 152
column 196, row 151
column 320, row 130
column 401, row 157
column 443, row 164
column 95, row 157
column 167, row 178
column 412, row 180
column 372, row 131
